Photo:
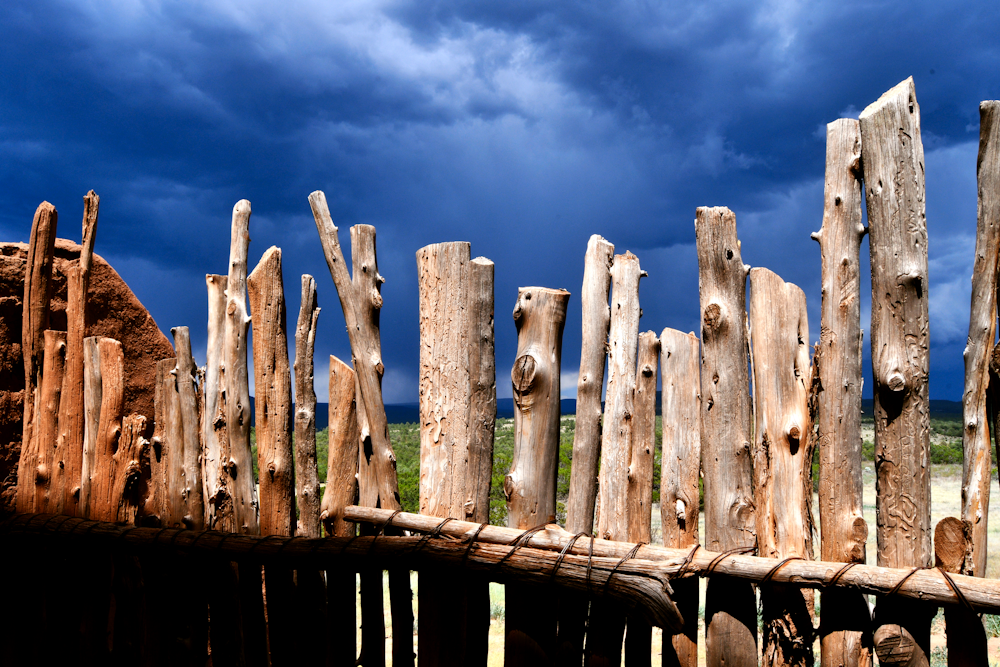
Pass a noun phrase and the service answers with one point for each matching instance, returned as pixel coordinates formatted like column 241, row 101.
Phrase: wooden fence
column 130, row 550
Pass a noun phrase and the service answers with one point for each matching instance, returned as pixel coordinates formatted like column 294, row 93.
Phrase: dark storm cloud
column 521, row 127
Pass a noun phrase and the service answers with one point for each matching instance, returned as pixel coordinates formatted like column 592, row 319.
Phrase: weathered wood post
column 215, row 437
column 306, row 469
column 779, row 331
column 35, row 320
column 186, row 491
column 730, row 605
column 966, row 636
column 845, row 626
column 483, row 408
column 66, row 477
column 530, row 486
column 639, row 637
column 679, row 474
column 977, row 461
column 893, row 159
column 46, row 421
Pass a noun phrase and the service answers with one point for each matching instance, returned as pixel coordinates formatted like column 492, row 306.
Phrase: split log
column 638, row 639
column 47, row 421
column 780, row 332
column 66, row 477
column 893, row 159
column 982, row 330
column 102, row 504
column 341, row 491
column 215, row 438
column 306, row 470
column 237, row 389
column 35, row 320
column 845, row 627
column 679, row 474
column 530, row 486
column 967, row 641
column 730, row 607
column 92, row 389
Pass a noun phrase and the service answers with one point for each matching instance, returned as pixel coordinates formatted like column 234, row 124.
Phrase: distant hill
column 940, row 409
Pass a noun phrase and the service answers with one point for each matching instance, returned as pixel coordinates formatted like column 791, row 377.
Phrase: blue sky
column 522, row 127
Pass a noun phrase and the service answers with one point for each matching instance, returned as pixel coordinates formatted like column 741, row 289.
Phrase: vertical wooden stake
column 92, row 390
column 35, row 320
column 47, row 421
column 893, row 159
column 780, row 331
column 103, row 505
column 342, row 459
column 218, row 493
column 306, row 472
column 845, row 626
column 730, row 606
column 982, row 330
column 967, row 642
column 188, row 491
column 681, row 464
column 483, row 377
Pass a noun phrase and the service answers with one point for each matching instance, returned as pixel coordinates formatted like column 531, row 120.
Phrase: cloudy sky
column 523, row 127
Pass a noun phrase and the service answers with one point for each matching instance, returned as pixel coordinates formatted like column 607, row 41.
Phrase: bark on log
column 530, row 486
column 679, row 474
column 779, row 330
column 306, row 469
column 103, row 505
column 46, row 420
column 593, row 354
column 218, row 484
column 982, row 330
column 35, row 320
column 845, row 628
column 731, row 615
column 66, row 477
column 966, row 636
column 893, row 161
column 237, row 389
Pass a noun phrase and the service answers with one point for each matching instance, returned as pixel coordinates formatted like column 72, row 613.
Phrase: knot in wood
column 522, row 375
column 713, row 317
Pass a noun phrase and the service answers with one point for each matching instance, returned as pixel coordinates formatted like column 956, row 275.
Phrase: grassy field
column 946, row 481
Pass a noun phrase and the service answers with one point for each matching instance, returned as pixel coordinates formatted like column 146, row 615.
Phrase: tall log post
column 893, row 159
column 35, row 320
column 66, row 477
column 306, row 470
column 977, row 461
column 108, row 428
column 164, row 414
column 845, row 626
column 780, row 333
column 92, row 388
column 639, row 637
column 530, row 486
column 47, row 420
column 218, row 493
column 730, row 606
column 679, row 473
column 189, row 487
column 966, row 636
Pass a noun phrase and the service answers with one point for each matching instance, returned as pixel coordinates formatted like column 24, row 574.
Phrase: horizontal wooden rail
column 923, row 584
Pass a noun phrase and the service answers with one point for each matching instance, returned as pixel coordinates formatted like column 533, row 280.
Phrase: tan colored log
column 445, row 386
column 679, row 474
column 731, row 631
column 35, row 319
column 215, row 438
column 483, row 377
column 187, row 491
column 845, row 628
column 66, row 477
column 982, row 330
column 92, row 389
column 966, row 636
column 361, row 302
column 342, row 461
column 593, row 355
column 127, row 459
column 306, row 471
column 47, row 421
column 640, row 469
column 163, row 415
column 272, row 378
column 237, row 389
column 780, row 332
column 103, row 504
column 893, row 159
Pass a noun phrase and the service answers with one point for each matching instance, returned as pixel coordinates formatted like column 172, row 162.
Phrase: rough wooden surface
column 109, row 428
column 35, row 319
column 215, row 438
column 156, row 506
column 731, row 615
column 342, row 460
column 845, row 630
column 306, row 470
column 966, row 636
column 590, row 383
column 679, row 475
column 50, row 381
column 483, row 378
column 982, row 330
column 189, row 490
column 66, row 477
column 92, row 388
column 780, row 333
column 237, row 378
column 893, row 159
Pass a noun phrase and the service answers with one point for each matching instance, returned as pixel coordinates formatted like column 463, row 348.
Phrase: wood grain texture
column 640, row 469
column 34, row 321
column 977, row 461
column 92, row 389
column 893, row 159
column 342, row 462
column 590, row 383
column 307, row 494
column 47, row 421
column 679, row 475
column 731, row 615
column 966, row 636
column 845, row 632
column 109, row 428
column 483, row 378
column 215, row 438
column 186, row 491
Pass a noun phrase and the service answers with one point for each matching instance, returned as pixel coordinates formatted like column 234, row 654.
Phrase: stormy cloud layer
column 522, row 127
